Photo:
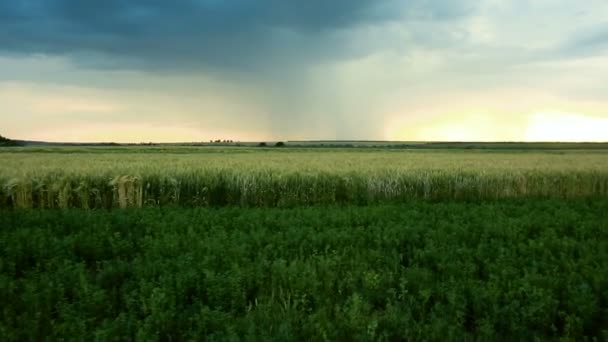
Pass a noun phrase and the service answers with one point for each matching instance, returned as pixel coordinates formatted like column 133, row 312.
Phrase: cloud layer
column 340, row 69
column 182, row 34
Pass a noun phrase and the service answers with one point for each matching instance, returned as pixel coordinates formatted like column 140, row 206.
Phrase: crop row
column 270, row 188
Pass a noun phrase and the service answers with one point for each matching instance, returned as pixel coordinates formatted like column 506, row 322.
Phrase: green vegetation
column 107, row 177
column 4, row 142
column 511, row 269
column 303, row 244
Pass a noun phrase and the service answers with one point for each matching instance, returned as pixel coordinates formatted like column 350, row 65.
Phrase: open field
column 510, row 269
column 106, row 177
column 303, row 243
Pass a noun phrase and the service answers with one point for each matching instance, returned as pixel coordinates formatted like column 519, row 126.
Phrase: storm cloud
column 184, row 34
column 233, row 35
column 339, row 69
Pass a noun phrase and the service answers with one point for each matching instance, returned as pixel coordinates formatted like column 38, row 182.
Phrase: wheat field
column 336, row 244
column 139, row 177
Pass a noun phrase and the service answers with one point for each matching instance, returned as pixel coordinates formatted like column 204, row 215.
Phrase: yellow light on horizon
column 566, row 127
column 549, row 126
column 462, row 126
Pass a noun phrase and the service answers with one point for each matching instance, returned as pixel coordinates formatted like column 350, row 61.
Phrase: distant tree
column 7, row 142
column 262, row 144
column 279, row 144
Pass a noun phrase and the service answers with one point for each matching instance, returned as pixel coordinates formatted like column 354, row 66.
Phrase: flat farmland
column 365, row 244
column 208, row 176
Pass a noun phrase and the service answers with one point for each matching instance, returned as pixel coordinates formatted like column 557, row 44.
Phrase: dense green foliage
column 148, row 176
column 510, row 270
column 7, row 142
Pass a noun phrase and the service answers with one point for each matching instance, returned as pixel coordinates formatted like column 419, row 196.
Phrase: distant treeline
column 453, row 145
column 338, row 144
column 7, row 142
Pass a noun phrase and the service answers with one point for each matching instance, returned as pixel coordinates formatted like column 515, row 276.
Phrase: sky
column 266, row 70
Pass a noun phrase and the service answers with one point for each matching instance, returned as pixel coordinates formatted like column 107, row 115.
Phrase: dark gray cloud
column 235, row 33
column 241, row 34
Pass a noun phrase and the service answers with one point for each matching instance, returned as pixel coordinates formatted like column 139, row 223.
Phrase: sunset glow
column 566, row 127
column 535, row 127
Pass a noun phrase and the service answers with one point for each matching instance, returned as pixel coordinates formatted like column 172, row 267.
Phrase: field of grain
column 322, row 244
column 137, row 177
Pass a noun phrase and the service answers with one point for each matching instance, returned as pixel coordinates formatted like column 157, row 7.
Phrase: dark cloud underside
column 180, row 33
column 195, row 33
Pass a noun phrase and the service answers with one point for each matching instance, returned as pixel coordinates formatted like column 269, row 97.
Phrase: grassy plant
column 139, row 177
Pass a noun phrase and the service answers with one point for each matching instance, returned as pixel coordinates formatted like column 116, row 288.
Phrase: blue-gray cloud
column 200, row 33
column 585, row 44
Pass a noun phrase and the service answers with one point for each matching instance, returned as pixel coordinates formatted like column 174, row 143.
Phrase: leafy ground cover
column 509, row 269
